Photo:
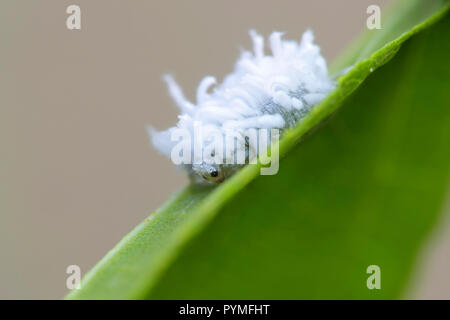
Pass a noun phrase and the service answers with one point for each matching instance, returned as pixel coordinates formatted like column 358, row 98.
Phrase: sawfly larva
column 263, row 92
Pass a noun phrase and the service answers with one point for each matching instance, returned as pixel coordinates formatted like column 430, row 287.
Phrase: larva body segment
column 263, row 92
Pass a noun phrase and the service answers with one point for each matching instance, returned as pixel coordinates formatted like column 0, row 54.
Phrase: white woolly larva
column 263, row 91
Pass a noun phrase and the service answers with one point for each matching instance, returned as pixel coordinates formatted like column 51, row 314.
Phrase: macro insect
column 264, row 91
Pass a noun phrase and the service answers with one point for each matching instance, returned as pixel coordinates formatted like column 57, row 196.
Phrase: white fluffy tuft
column 293, row 79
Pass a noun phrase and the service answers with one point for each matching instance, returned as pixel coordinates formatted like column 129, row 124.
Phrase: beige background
column 77, row 172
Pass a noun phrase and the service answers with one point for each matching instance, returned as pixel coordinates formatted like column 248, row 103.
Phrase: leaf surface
column 364, row 187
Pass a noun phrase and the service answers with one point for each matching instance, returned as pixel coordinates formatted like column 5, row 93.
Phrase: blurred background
column 77, row 172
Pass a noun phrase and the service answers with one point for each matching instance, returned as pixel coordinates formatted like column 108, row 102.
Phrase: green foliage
column 364, row 187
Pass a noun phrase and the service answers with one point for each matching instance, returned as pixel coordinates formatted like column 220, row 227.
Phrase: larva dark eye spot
column 214, row 173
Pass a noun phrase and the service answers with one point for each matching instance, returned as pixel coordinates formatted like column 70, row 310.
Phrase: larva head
column 210, row 173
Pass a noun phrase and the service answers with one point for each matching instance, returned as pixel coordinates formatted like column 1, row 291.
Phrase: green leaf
column 363, row 188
